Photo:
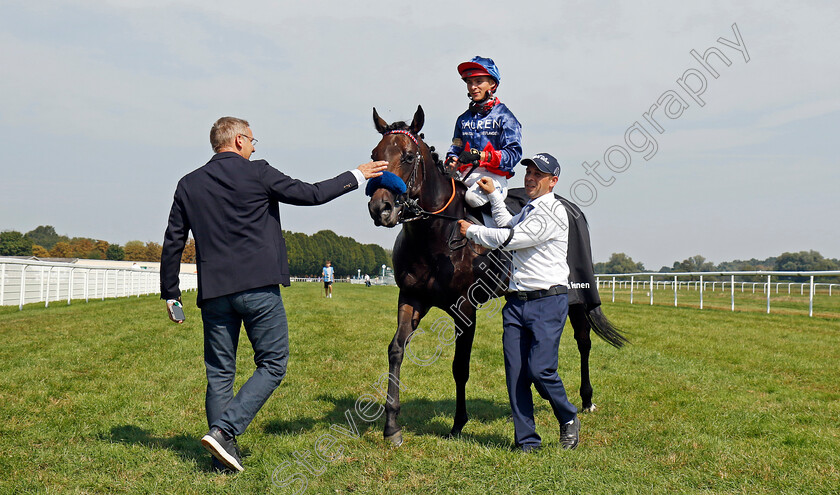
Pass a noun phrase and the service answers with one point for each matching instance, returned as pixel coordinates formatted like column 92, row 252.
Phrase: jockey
column 487, row 139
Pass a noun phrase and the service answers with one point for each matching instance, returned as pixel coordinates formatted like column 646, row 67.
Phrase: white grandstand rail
column 70, row 285
column 34, row 281
column 701, row 285
column 22, row 285
column 47, row 298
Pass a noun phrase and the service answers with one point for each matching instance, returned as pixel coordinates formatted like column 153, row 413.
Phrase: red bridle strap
column 407, row 133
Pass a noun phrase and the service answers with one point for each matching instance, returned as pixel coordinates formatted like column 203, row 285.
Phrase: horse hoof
column 591, row 408
column 458, row 425
column 395, row 439
column 453, row 434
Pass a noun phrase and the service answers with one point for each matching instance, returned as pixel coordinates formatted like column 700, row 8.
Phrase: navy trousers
column 531, row 340
column 261, row 311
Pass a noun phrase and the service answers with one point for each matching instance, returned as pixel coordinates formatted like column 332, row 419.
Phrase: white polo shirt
column 538, row 244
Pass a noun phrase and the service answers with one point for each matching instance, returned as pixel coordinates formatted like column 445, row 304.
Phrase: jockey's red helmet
column 479, row 66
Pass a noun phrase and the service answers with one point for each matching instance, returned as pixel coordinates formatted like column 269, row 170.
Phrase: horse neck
column 436, row 188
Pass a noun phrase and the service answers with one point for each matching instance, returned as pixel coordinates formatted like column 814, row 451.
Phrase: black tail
column 604, row 328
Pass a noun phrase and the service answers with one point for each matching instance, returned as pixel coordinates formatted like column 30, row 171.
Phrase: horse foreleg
column 464, row 334
column 581, row 326
column 408, row 317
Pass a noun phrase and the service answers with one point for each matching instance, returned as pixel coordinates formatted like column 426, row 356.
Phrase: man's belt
column 528, row 295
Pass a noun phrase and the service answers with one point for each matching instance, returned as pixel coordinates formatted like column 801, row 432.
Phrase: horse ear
column 418, row 120
column 378, row 122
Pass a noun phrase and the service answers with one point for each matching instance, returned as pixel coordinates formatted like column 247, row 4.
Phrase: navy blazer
column 231, row 205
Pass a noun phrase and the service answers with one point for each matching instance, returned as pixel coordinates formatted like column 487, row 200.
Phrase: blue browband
column 389, row 181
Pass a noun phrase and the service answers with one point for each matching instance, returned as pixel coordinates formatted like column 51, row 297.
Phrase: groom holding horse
column 537, row 301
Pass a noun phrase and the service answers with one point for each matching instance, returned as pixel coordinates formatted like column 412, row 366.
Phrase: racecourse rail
column 648, row 280
column 26, row 281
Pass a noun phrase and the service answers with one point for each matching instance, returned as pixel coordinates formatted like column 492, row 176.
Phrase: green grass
column 108, row 397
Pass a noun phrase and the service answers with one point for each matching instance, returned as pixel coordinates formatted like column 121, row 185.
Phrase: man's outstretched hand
column 373, row 169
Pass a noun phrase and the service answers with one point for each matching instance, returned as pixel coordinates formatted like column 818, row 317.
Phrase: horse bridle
column 412, row 206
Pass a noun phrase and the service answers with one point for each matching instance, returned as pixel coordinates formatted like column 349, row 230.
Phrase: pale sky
column 104, row 105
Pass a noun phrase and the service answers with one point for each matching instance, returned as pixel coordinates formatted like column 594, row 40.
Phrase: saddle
column 515, row 201
column 477, row 215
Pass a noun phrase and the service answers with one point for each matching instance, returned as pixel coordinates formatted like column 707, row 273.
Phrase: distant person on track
column 231, row 205
column 328, row 274
column 537, row 298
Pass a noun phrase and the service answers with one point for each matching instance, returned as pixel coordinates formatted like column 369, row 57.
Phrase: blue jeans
column 531, row 341
column 261, row 311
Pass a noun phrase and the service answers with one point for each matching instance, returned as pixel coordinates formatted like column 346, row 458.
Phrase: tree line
column 801, row 261
column 307, row 254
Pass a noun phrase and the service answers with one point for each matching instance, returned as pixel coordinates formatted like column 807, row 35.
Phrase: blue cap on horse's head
column 545, row 163
column 389, row 181
column 479, row 66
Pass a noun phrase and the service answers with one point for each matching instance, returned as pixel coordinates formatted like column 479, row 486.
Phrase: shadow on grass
column 420, row 416
column 188, row 448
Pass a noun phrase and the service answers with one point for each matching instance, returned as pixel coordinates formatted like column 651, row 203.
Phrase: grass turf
column 107, row 397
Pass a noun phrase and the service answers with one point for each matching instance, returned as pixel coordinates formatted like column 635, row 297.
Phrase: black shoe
column 223, row 449
column 530, row 448
column 219, row 467
column 569, row 434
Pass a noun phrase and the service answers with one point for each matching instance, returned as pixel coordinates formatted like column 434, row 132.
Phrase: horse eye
column 408, row 158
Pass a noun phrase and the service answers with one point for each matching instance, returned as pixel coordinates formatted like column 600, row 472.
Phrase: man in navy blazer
column 231, row 205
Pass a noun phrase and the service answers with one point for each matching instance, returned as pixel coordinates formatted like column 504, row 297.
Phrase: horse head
column 407, row 156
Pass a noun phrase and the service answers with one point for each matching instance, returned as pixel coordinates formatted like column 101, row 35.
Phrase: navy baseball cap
column 545, row 163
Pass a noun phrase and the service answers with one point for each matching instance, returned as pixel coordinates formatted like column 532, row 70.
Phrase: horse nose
column 380, row 211
column 386, row 212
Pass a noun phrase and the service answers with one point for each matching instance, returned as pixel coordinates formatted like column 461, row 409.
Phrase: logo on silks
column 389, row 181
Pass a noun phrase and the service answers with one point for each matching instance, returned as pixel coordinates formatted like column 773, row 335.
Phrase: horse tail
column 604, row 328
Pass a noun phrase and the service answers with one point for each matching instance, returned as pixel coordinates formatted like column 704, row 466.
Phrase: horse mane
column 400, row 125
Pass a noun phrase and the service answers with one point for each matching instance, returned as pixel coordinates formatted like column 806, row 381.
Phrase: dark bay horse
column 435, row 267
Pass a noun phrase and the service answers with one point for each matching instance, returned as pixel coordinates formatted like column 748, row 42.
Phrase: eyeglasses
column 253, row 140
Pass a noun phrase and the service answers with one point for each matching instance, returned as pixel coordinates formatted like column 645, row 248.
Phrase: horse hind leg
column 580, row 324
column 464, row 335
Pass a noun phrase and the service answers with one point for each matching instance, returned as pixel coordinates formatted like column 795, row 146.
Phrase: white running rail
column 25, row 281
column 694, row 281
